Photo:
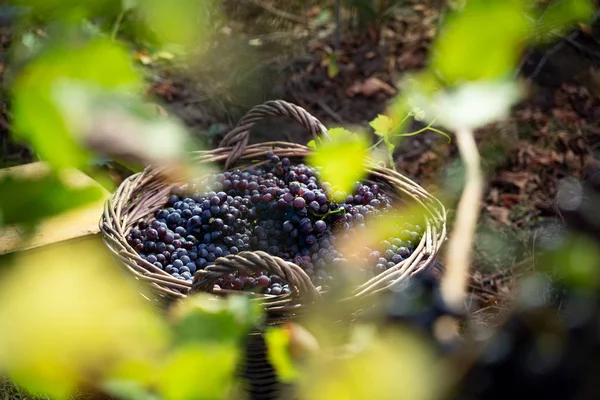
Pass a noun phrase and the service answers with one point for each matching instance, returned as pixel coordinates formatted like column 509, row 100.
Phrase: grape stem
column 331, row 212
column 458, row 257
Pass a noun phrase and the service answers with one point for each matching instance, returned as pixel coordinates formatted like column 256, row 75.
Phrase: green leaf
column 129, row 4
column 185, row 23
column 27, row 201
column 83, row 306
column 197, row 371
column 471, row 47
column 470, row 105
column 341, row 160
column 382, row 125
column 128, row 390
column 201, row 319
column 100, row 62
column 278, row 345
column 558, row 16
column 332, row 66
column 312, row 144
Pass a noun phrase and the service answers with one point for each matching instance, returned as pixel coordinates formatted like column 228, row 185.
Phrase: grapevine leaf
column 462, row 49
column 342, row 159
column 278, row 344
column 215, row 364
column 382, row 125
column 77, row 330
column 99, row 63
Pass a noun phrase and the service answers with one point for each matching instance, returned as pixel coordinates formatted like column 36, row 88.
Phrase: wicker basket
column 143, row 193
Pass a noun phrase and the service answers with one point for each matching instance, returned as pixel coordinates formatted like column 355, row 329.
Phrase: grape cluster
column 277, row 207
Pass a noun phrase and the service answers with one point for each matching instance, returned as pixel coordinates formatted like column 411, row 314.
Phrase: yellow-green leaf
column 69, row 321
column 198, row 371
column 312, row 144
column 382, row 125
column 463, row 49
column 341, row 160
column 278, row 345
column 99, row 63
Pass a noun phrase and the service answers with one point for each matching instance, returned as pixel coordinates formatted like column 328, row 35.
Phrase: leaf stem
column 458, row 256
column 117, row 24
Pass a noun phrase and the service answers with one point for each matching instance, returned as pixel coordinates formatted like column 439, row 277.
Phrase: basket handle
column 254, row 261
column 238, row 136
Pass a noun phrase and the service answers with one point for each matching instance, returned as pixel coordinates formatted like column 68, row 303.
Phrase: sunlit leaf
column 100, row 62
column 393, row 366
column 312, row 144
column 470, row 105
column 341, row 160
column 122, row 127
column 382, row 125
column 202, row 319
column 129, row 390
column 186, row 23
column 196, row 371
column 471, row 47
column 76, row 316
column 558, row 16
column 278, row 344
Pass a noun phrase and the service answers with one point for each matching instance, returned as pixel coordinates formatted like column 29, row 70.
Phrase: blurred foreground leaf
column 394, row 366
column 278, row 344
column 471, row 46
column 67, row 315
column 199, row 371
column 39, row 120
column 24, row 201
column 471, row 105
column 558, row 16
column 342, row 160
column 202, row 318
column 183, row 23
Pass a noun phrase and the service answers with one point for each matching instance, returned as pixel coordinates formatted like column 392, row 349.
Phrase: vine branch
column 455, row 280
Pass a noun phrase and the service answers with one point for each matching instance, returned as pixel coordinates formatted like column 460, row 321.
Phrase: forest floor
column 550, row 138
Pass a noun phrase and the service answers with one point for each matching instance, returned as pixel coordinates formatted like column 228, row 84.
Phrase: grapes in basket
column 277, row 207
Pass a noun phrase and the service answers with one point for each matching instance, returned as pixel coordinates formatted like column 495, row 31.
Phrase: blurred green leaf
column 576, row 262
column 129, row 390
column 76, row 317
column 201, row 319
column 278, row 345
column 471, row 46
column 129, row 4
column 26, row 201
column 312, row 144
column 100, row 63
column 558, row 16
column 342, row 160
column 470, row 105
column 185, row 23
column 395, row 365
column 332, row 66
column 198, row 371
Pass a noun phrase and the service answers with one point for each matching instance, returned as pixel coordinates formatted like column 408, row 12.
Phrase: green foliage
column 39, row 198
column 342, row 160
column 462, row 49
column 278, row 344
column 101, row 63
column 203, row 319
